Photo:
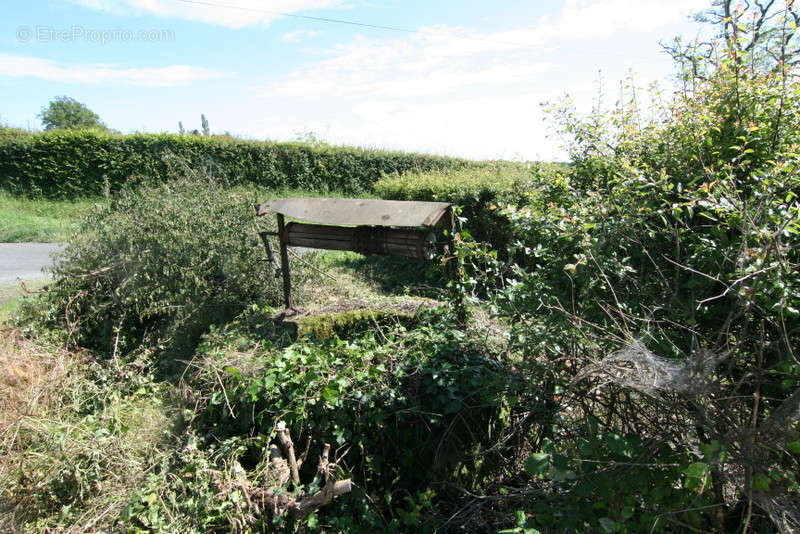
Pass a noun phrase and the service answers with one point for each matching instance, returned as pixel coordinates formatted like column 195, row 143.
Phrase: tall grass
column 74, row 443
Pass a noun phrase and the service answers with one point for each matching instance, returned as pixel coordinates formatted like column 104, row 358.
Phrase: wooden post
column 287, row 281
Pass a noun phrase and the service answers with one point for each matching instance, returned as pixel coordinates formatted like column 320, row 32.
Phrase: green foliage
column 649, row 378
column 67, row 113
column 658, row 302
column 480, row 191
column 86, row 163
column 156, row 266
column 406, row 411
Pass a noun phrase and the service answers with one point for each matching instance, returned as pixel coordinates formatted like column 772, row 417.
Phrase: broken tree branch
column 288, row 447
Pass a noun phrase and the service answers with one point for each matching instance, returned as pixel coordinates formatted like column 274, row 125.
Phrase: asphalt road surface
column 25, row 260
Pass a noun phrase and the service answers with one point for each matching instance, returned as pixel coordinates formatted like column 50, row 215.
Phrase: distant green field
column 44, row 221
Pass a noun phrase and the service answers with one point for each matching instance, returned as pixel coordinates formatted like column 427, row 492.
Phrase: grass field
column 42, row 221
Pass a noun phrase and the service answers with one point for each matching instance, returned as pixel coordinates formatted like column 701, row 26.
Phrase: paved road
column 25, row 260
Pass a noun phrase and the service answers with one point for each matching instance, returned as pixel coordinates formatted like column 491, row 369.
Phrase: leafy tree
column 64, row 112
column 204, row 125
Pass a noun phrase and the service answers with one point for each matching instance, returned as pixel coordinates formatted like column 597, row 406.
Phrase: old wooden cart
column 367, row 226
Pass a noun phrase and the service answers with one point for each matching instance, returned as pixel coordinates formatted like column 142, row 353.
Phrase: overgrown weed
column 76, row 441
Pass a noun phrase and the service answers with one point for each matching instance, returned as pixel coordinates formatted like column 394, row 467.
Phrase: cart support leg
column 287, row 281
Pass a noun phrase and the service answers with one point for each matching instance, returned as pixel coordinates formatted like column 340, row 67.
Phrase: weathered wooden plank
column 357, row 212
column 368, row 240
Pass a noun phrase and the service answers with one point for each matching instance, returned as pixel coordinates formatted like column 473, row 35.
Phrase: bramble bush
column 660, row 303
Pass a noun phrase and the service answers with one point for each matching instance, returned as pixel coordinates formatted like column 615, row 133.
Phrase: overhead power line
column 353, row 23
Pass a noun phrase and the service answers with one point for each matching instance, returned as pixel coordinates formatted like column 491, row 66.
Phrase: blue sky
column 464, row 78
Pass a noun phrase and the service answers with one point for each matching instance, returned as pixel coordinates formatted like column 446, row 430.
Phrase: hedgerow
column 480, row 192
column 659, row 307
column 85, row 163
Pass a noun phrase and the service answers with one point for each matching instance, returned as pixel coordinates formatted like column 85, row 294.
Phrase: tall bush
column 156, row 266
column 660, row 309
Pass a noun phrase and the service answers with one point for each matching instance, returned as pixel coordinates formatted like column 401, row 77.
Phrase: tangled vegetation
column 156, row 266
column 629, row 363
column 660, row 300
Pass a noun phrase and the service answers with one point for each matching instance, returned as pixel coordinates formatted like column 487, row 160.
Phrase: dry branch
column 288, row 448
column 271, row 497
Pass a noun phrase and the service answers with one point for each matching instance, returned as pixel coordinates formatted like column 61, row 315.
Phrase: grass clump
column 76, row 440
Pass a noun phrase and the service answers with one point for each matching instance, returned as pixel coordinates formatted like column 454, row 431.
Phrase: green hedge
column 7, row 132
column 479, row 190
column 73, row 164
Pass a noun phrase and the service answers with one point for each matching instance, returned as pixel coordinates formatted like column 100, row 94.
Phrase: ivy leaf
column 537, row 463
column 761, row 482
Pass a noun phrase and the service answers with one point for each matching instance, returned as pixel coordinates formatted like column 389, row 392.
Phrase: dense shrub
column 481, row 192
column 70, row 163
column 660, row 308
column 412, row 414
column 156, row 266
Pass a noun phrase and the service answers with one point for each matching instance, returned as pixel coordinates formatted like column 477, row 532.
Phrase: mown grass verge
column 26, row 220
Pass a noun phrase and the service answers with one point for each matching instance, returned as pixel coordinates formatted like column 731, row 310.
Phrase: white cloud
column 230, row 13
column 442, row 59
column 398, row 69
column 299, row 35
column 452, row 90
column 586, row 19
column 18, row 66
